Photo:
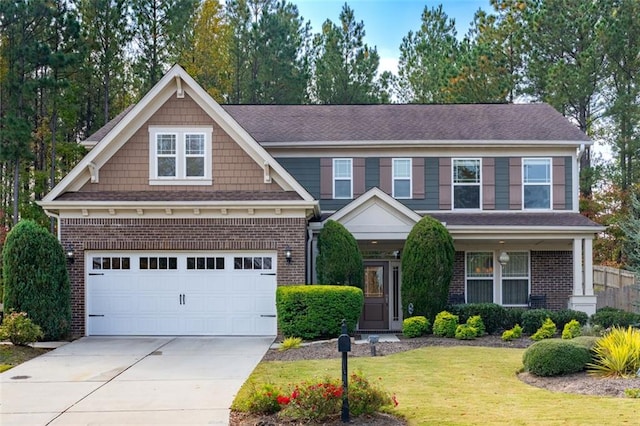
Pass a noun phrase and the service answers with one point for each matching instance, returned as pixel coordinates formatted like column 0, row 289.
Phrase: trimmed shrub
column 587, row 341
column 513, row 333
column 571, row 330
column 493, row 315
column 477, row 323
column 339, row 259
column 555, row 357
column 466, row 332
column 533, row 319
column 427, row 268
column 513, row 317
column 415, row 326
column 445, row 324
column 313, row 311
column 612, row 317
column 19, row 329
column 617, row 354
column 36, row 280
column 546, row 331
column 565, row 316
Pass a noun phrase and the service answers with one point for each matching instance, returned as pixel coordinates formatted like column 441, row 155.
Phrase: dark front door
column 375, row 315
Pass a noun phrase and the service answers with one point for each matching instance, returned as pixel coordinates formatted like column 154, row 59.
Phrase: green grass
column 461, row 386
column 11, row 355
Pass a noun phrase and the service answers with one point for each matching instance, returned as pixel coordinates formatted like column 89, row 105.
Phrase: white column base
column 586, row 304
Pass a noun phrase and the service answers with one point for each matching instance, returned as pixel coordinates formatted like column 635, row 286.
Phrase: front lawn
column 11, row 355
column 460, row 385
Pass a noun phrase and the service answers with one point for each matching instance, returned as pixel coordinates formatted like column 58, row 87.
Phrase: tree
column 427, row 268
column 208, row 58
column 621, row 41
column 268, row 52
column 35, row 278
column 630, row 227
column 344, row 68
column 427, row 60
column 339, row 259
column 161, row 32
column 567, row 63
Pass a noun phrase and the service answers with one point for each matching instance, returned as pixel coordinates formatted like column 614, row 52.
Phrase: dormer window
column 180, row 156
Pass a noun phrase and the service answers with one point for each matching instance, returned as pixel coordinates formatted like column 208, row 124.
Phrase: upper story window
column 536, row 183
column 402, row 178
column 342, row 178
column 180, row 156
column 466, row 183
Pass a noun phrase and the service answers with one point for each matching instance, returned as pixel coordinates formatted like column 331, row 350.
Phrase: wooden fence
column 616, row 288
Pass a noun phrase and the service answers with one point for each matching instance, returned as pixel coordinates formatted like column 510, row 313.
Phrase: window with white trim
column 516, row 279
column 479, row 277
column 536, row 183
column 401, row 177
column 343, row 178
column 180, row 156
column 466, row 183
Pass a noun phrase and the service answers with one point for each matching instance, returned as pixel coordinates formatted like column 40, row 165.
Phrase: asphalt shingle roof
column 185, row 196
column 473, row 122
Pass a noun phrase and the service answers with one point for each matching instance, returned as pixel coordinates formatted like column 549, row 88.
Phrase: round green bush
column 445, row 324
column 36, row 280
column 565, row 316
column 466, row 332
column 415, row 326
column 477, row 323
column 586, row 341
column 533, row 319
column 427, row 268
column 339, row 259
column 555, row 357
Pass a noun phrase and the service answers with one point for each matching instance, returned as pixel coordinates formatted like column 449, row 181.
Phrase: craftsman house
column 185, row 214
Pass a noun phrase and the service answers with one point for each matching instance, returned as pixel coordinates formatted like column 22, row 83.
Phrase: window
column 160, row 262
column 402, row 178
column 536, row 183
column 515, row 279
column 250, row 262
column 205, row 262
column 180, row 156
column 342, row 178
column 110, row 263
column 466, row 183
column 479, row 277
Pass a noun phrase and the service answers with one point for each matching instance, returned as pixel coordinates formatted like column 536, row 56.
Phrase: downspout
column 57, row 218
column 309, row 254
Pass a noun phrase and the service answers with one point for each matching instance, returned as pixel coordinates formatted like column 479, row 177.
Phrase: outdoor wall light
column 503, row 259
column 69, row 254
column 287, row 254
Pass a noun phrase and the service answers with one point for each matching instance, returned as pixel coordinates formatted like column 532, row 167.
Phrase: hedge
column 314, row 311
column 555, row 357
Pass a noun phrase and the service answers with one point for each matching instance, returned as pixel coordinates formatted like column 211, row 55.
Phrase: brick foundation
column 260, row 234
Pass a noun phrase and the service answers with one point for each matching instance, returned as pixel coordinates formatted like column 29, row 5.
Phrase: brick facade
column 264, row 234
column 551, row 274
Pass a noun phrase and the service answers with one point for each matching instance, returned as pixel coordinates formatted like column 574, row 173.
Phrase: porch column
column 588, row 267
column 577, row 267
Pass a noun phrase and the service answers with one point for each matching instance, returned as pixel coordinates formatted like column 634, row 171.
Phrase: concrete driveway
column 137, row 380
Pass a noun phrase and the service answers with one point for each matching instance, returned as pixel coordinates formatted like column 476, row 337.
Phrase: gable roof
column 115, row 134
column 273, row 124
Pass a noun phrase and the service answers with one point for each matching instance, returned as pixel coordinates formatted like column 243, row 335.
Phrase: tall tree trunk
column 16, row 189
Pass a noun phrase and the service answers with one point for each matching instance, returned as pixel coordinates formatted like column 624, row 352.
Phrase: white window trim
column 528, row 278
column 394, row 178
column 180, row 178
column 350, row 179
column 494, row 273
column 454, row 184
column 550, row 183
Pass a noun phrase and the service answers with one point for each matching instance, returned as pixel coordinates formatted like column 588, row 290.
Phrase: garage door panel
column 186, row 300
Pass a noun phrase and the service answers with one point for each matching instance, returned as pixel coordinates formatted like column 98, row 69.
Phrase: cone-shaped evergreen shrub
column 427, row 268
column 339, row 259
column 36, row 279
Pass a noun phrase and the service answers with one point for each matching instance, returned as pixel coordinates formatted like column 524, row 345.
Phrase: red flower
column 395, row 400
column 283, row 400
column 295, row 393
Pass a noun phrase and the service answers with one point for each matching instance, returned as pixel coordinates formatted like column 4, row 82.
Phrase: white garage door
column 181, row 293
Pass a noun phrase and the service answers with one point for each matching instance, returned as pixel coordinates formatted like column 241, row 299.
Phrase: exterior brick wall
column 268, row 234
column 552, row 274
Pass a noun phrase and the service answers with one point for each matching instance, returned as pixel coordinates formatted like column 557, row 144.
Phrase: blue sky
column 386, row 22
